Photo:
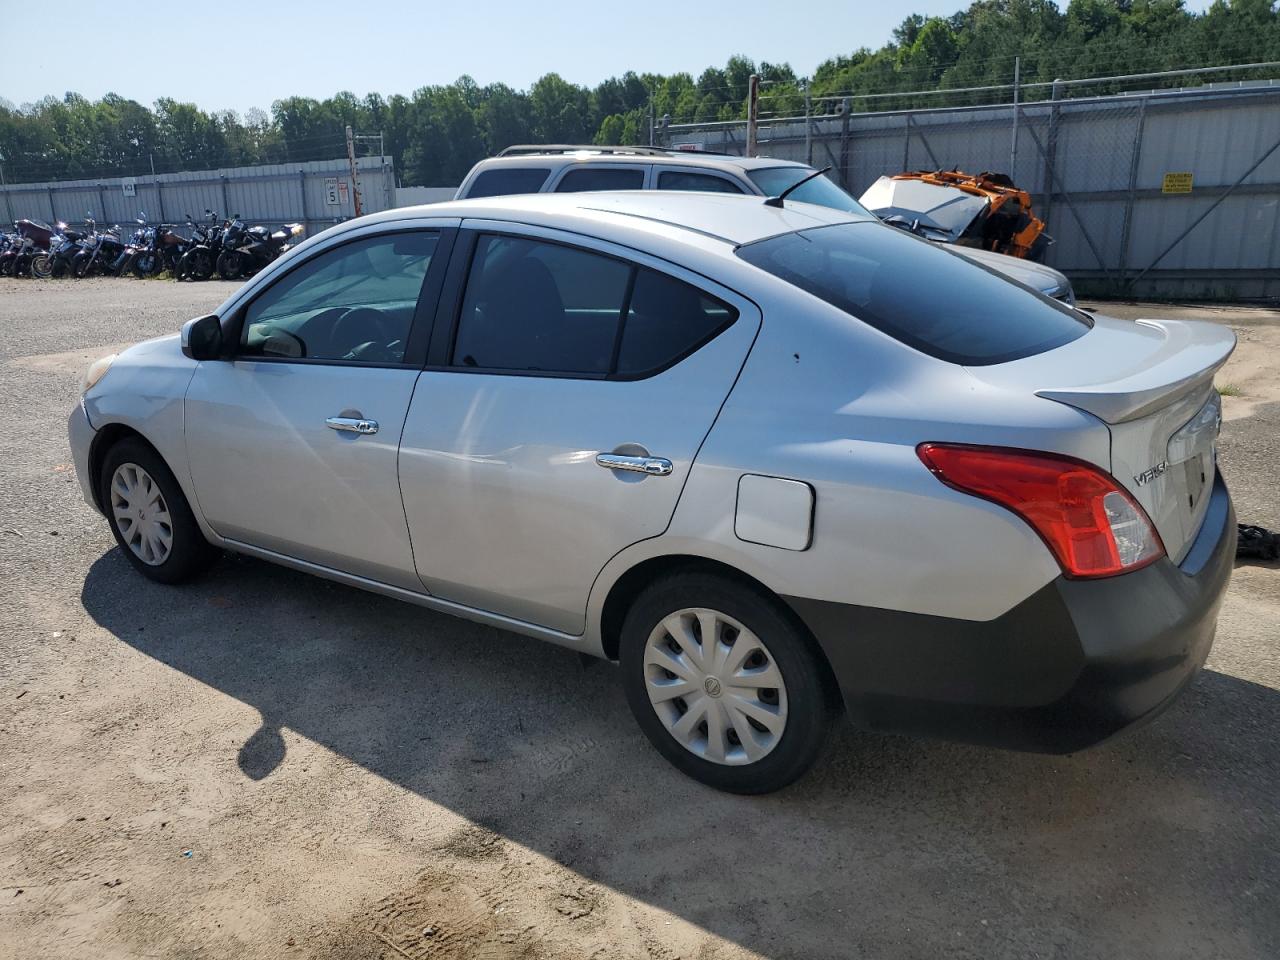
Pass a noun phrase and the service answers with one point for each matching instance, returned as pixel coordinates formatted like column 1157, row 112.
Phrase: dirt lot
column 268, row 765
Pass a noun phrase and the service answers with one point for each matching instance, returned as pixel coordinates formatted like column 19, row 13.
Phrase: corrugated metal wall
column 1096, row 168
column 269, row 195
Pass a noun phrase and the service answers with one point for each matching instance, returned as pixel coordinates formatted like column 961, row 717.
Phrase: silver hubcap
column 141, row 514
column 715, row 686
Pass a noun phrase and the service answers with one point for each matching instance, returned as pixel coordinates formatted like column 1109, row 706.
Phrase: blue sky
column 257, row 52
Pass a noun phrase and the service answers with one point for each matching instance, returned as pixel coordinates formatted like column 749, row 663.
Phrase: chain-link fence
column 1167, row 193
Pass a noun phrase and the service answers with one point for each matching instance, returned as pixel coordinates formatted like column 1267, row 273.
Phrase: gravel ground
column 264, row 764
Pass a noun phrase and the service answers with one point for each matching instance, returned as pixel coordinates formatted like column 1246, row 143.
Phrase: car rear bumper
column 1075, row 663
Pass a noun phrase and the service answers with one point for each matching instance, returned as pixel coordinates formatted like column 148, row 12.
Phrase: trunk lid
column 1151, row 383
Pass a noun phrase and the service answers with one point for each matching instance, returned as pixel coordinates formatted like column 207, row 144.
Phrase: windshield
column 820, row 190
column 917, row 292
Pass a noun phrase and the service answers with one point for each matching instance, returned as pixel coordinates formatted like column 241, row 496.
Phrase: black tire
column 201, row 265
column 812, row 698
column 190, row 554
column 231, row 265
column 80, row 265
column 144, row 265
column 42, row 266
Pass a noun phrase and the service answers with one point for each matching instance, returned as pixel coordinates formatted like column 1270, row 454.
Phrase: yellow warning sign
column 1176, row 183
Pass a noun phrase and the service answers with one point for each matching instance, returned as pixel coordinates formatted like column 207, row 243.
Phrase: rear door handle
column 653, row 466
column 352, row 424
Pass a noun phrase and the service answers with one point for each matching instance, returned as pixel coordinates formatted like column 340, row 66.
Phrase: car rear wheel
column 149, row 516
column 724, row 683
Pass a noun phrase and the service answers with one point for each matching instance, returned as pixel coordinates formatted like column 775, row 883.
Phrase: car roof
column 725, row 219
column 568, row 156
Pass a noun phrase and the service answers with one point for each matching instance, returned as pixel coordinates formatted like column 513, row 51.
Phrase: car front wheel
column 149, row 516
column 724, row 683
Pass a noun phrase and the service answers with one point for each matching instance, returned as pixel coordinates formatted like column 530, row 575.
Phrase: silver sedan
column 776, row 460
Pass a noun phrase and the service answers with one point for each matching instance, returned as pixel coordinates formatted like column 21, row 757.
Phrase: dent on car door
column 560, row 355
column 293, row 439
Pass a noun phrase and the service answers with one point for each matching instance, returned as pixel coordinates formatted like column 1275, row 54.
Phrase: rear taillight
column 1093, row 527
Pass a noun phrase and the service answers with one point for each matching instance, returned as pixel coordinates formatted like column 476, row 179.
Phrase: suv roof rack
column 526, row 149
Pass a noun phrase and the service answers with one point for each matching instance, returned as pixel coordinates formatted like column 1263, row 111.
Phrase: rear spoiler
column 1191, row 354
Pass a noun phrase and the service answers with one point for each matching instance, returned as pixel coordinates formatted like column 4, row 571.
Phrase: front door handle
column 653, row 466
column 352, row 424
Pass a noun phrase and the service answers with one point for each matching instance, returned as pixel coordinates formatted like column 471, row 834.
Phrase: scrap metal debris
column 1257, row 543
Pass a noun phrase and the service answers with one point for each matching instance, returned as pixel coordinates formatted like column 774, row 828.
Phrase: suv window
column 685, row 180
column 534, row 305
column 502, row 181
column 354, row 302
column 601, row 178
column 820, row 190
column 918, row 293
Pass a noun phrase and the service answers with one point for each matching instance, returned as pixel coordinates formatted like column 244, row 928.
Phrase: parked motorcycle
column 161, row 250
column 62, row 250
column 138, row 241
column 31, row 239
column 201, row 256
column 246, row 250
column 98, row 250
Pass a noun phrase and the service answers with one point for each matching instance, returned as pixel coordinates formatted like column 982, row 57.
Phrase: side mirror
column 202, row 338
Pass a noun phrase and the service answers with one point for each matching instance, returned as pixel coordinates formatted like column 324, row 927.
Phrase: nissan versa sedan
column 776, row 460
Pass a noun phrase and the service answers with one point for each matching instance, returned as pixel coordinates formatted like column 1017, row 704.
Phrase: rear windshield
column 501, row 181
column 918, row 293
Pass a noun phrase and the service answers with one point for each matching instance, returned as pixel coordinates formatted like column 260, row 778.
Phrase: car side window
column 687, row 180
column 538, row 306
column 503, row 181
column 667, row 319
column 601, row 178
column 354, row 303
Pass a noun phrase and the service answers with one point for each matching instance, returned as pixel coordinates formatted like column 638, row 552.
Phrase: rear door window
column 688, row 180
column 918, row 293
column 503, row 181
column 601, row 178
column 534, row 306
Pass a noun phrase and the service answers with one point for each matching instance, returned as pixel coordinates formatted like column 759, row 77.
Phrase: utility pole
column 8, row 211
column 1017, row 90
column 753, row 112
column 808, row 125
column 351, row 157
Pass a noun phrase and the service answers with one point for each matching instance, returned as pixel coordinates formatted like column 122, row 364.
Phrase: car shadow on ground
column 1163, row 840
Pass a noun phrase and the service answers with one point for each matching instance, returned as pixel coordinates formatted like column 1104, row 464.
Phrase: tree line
column 436, row 133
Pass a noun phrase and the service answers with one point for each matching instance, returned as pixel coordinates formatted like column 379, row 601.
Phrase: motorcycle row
column 229, row 248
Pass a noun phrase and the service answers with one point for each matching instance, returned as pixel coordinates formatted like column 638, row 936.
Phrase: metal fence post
column 302, row 188
column 844, row 143
column 808, row 126
column 226, row 211
column 1013, row 140
column 53, row 214
column 1051, row 150
column 1127, row 225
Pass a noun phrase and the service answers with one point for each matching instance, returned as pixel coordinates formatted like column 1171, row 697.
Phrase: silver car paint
column 271, row 473
column 821, row 399
column 144, row 390
column 1145, row 380
column 506, row 505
